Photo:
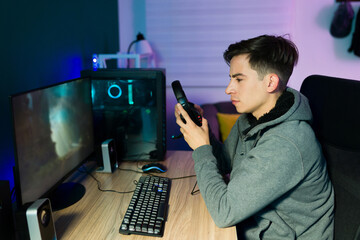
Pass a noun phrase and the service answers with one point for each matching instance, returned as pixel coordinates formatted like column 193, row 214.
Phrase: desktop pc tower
column 129, row 106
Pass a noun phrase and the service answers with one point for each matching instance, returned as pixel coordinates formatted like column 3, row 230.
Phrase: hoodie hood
column 298, row 111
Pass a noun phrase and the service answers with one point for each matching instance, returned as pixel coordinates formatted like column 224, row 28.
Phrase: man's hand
column 199, row 109
column 194, row 135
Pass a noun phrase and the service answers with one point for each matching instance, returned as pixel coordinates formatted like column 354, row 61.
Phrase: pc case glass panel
column 126, row 110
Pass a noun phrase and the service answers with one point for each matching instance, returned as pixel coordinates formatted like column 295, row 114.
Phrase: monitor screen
column 53, row 134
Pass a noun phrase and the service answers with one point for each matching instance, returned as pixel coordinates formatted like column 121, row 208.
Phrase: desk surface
column 98, row 215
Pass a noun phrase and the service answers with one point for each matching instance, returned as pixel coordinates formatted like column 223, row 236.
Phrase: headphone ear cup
column 196, row 117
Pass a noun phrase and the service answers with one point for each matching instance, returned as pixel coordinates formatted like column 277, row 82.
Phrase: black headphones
column 188, row 106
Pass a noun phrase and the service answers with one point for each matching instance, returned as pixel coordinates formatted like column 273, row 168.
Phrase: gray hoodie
column 279, row 187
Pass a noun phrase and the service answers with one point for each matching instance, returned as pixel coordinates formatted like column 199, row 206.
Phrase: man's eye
column 237, row 79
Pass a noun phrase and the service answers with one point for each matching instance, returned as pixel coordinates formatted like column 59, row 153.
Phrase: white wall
column 189, row 37
column 320, row 53
column 308, row 24
column 131, row 21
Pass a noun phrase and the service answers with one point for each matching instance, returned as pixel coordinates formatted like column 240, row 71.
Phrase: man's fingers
column 184, row 114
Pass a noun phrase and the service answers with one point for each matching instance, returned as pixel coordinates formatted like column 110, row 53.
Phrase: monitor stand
column 66, row 194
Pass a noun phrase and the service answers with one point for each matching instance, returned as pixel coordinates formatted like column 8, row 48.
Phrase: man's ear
column 273, row 82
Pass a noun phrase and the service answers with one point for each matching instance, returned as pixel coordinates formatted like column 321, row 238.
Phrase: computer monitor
column 129, row 106
column 53, row 136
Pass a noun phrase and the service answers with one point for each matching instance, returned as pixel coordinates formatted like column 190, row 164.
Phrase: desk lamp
column 142, row 46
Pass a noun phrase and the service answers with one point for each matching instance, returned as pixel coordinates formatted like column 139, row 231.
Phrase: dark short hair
column 267, row 54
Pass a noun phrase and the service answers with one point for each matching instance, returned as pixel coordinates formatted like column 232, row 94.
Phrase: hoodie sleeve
column 223, row 159
column 261, row 176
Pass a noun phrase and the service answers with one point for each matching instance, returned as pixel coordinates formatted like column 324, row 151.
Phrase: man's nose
column 229, row 89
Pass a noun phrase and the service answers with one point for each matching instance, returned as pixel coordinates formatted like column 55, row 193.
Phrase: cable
column 135, row 182
column 194, row 192
column 178, row 136
column 130, row 170
column 177, row 178
column 99, row 183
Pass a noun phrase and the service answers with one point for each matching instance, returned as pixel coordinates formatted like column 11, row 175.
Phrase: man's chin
column 239, row 110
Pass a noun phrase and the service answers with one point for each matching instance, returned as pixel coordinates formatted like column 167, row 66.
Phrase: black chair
column 335, row 104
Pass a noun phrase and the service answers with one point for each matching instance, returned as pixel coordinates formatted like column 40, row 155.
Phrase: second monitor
column 129, row 107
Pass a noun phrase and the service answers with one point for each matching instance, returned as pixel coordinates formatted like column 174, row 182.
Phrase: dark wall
column 44, row 42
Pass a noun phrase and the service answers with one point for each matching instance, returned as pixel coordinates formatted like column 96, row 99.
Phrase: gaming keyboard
column 146, row 213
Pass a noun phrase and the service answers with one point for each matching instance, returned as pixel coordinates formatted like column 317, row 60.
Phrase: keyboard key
column 124, row 227
column 161, row 212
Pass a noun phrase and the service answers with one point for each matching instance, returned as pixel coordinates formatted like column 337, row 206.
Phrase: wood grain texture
column 98, row 215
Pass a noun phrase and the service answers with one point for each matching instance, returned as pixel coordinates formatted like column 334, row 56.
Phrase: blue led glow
column 95, row 62
column 131, row 100
column 112, row 95
column 93, row 91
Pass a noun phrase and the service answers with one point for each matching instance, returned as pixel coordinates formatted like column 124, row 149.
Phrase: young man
column 278, row 187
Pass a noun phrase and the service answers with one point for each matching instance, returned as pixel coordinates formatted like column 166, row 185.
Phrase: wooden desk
column 98, row 215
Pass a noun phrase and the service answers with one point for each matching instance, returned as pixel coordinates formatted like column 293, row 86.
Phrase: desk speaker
column 7, row 230
column 109, row 156
column 40, row 220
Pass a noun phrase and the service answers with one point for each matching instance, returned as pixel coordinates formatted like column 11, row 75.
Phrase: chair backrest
column 335, row 107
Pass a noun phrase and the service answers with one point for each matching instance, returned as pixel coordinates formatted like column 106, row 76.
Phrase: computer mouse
column 154, row 167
